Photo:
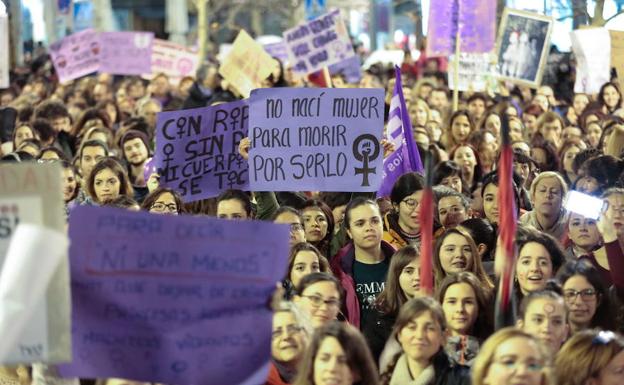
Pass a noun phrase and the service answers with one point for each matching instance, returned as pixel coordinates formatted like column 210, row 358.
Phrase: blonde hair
column 545, row 175
column 485, row 357
column 585, row 355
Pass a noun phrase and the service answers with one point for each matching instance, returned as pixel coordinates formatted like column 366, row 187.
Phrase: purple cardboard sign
column 76, row 55
column 278, row 50
column 172, row 299
column 126, row 53
column 350, row 68
column 316, row 139
column 197, row 150
column 476, row 20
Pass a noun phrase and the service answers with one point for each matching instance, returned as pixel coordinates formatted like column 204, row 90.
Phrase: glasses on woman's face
column 586, row 294
column 411, row 203
column 162, row 207
column 318, row 301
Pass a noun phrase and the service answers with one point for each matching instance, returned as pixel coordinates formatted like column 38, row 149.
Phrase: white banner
column 592, row 48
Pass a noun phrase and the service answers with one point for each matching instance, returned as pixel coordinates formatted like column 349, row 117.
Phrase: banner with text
column 477, row 72
column 592, row 49
column 246, row 65
column 197, row 150
column 317, row 139
column 32, row 194
column 126, row 53
column 318, row 43
column 76, row 55
column 174, row 60
column 172, row 299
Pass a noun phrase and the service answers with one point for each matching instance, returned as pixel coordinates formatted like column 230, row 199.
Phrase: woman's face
column 306, row 262
column 465, row 158
column 493, row 124
column 490, row 202
column 69, row 184
column 106, row 185
column 534, row 267
column 488, row 149
column 321, row 301
column 611, row 97
column 587, row 184
column 419, row 113
column 409, row 212
column 422, row 337
column 22, row 133
column 460, row 128
column 288, row 341
column 297, row 232
column 568, row 158
column 545, row 318
column 231, row 209
column 515, row 130
column 581, row 300
column 315, row 223
column 165, row 204
column 529, row 122
column 330, row 364
column 365, row 226
column 454, row 182
column 613, row 373
column 409, row 279
column 516, row 361
column 594, row 131
column 548, row 197
column 460, row 308
column 456, row 254
column 583, row 232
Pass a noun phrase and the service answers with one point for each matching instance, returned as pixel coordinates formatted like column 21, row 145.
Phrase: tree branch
column 614, row 16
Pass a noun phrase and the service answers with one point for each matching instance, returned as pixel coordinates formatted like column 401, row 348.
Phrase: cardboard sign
column 172, row 299
column 475, row 19
column 278, row 50
column 197, row 150
column 76, row 55
column 477, row 72
column 246, row 65
column 126, row 53
column 592, row 49
column 31, row 193
column 617, row 54
column 320, row 139
column 4, row 47
column 318, row 43
column 174, row 60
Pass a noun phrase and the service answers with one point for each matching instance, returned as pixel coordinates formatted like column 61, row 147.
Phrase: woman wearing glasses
column 163, row 201
column 402, row 224
column 319, row 295
column 511, row 356
column 591, row 357
column 585, row 296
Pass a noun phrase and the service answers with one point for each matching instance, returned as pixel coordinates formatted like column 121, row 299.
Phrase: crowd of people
column 351, row 309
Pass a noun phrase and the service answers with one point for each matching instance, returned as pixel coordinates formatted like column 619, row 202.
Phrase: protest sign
column 31, row 194
column 174, row 60
column 476, row 72
column 617, row 54
column 4, row 47
column 475, row 19
column 126, row 53
column 197, row 150
column 277, row 50
column 246, row 65
column 592, row 49
column 321, row 139
column 76, row 55
column 318, row 43
column 172, row 299
column 350, row 68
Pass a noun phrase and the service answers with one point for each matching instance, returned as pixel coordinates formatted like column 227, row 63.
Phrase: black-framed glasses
column 317, row 301
column 411, row 203
column 162, row 207
column 586, row 294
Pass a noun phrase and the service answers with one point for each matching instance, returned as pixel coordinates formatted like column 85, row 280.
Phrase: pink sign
column 174, row 60
column 76, row 55
column 126, row 53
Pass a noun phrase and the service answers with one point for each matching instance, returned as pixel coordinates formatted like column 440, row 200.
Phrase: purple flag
column 476, row 20
column 197, row 150
column 172, row 299
column 406, row 157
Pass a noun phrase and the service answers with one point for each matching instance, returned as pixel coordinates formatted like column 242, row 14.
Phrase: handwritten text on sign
column 318, row 43
column 316, row 139
column 76, row 55
column 176, row 300
column 197, row 150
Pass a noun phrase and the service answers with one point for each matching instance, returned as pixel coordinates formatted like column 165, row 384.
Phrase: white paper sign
column 592, row 48
column 4, row 47
column 476, row 72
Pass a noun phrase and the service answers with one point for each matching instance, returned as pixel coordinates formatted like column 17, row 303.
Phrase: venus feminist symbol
column 367, row 152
